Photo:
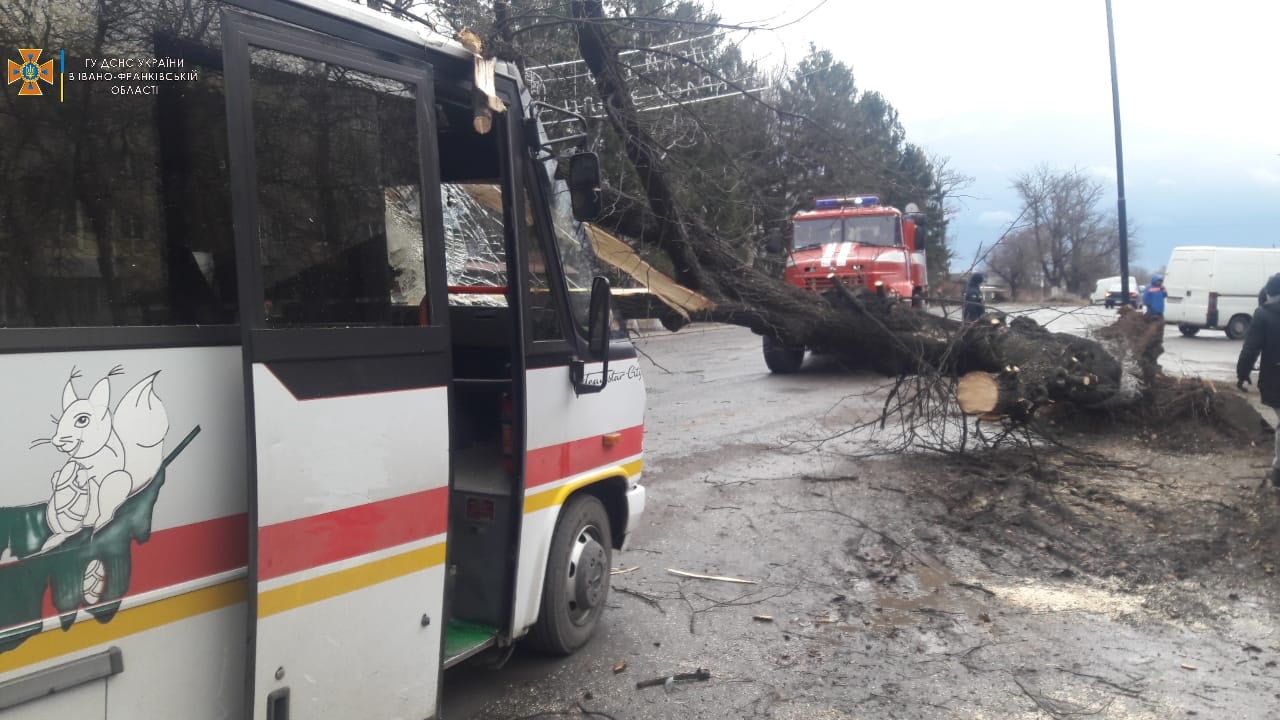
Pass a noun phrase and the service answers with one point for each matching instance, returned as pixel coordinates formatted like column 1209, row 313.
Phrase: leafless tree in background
column 1016, row 259
column 1076, row 239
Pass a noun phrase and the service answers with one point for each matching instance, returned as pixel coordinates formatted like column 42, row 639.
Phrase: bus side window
column 116, row 208
column 339, row 194
column 542, row 312
column 475, row 244
column 578, row 263
column 476, row 258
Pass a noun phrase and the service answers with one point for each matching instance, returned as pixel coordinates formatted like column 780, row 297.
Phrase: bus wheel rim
column 585, row 576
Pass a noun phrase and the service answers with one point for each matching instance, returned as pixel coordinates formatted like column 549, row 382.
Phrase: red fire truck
column 860, row 241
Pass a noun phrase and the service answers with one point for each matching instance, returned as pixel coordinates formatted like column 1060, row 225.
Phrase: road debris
column 700, row 674
column 718, row 578
column 649, row 600
column 619, row 668
column 762, row 618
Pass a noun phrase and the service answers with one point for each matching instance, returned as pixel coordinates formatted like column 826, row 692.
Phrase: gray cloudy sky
column 1002, row 85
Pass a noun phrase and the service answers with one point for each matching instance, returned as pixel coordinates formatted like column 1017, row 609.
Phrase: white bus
column 310, row 390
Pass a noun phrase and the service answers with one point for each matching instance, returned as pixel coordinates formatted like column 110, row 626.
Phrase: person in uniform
column 1263, row 339
column 973, row 307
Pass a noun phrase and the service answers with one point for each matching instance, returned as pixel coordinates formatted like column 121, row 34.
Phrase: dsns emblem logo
column 30, row 72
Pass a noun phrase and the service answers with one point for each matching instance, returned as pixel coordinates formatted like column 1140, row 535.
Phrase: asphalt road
column 716, row 420
column 731, row 493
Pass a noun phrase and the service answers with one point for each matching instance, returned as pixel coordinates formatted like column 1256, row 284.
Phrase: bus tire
column 781, row 358
column 1188, row 330
column 576, row 585
column 1238, row 326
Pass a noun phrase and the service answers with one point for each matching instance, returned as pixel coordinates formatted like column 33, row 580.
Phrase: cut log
column 992, row 396
column 978, row 393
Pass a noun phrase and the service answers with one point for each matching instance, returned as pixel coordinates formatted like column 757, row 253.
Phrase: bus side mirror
column 584, row 186
column 597, row 341
column 773, row 246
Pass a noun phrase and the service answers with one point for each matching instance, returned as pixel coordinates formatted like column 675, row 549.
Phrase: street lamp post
column 1120, row 210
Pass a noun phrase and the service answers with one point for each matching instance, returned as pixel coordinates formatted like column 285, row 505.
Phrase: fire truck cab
column 311, row 388
column 865, row 244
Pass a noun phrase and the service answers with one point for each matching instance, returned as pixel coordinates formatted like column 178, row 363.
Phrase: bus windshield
column 882, row 230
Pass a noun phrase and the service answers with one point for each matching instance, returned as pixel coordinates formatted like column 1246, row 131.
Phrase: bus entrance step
column 464, row 639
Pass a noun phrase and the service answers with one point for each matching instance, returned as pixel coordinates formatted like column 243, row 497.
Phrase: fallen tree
column 1007, row 368
column 863, row 329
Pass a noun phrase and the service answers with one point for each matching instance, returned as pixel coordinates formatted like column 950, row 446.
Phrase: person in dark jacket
column 1153, row 297
column 973, row 308
column 1263, row 339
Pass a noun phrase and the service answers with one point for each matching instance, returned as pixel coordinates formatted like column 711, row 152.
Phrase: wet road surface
column 858, row 606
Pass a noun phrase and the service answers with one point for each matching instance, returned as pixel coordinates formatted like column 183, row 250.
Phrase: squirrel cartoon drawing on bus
column 74, row 550
column 110, row 454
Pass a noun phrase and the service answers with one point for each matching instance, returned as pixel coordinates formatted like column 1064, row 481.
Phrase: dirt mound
column 1174, row 413
column 1164, row 526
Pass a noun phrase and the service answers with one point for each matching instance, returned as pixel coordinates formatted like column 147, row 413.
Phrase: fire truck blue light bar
column 824, row 203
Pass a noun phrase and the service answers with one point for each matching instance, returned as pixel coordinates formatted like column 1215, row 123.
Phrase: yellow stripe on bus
column 557, row 496
column 54, row 643
column 341, row 582
column 89, row 633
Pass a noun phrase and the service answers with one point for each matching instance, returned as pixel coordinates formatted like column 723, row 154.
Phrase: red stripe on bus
column 190, row 552
column 549, row 464
column 179, row 555
column 317, row 540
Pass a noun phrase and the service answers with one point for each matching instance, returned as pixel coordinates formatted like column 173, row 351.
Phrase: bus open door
column 347, row 394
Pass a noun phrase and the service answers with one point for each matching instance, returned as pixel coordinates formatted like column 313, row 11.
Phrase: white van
column 1108, row 292
column 1216, row 287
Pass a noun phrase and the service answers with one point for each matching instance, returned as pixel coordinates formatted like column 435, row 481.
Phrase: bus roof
column 397, row 27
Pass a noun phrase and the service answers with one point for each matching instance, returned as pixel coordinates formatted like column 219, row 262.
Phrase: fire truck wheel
column 576, row 586
column 782, row 358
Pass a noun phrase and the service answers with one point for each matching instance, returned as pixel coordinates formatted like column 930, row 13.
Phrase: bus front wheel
column 576, row 585
column 1188, row 330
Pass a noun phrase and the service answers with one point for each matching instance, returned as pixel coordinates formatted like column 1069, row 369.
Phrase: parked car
column 1108, row 292
column 1216, row 288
